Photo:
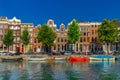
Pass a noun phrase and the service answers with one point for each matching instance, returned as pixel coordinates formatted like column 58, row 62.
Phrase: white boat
column 59, row 58
column 102, row 58
column 36, row 58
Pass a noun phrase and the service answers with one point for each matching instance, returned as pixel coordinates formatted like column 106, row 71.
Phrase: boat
column 12, row 59
column 36, row 58
column 59, row 58
column 78, row 59
column 102, row 58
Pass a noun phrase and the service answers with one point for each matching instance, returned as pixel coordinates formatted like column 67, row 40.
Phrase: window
column 88, row 33
column 96, row 39
column 88, row 39
column 84, row 28
column 84, row 33
column 88, row 28
column 95, row 31
column 14, row 40
column 62, row 29
column 92, row 26
column 95, row 26
column 65, row 40
column 80, row 28
column 35, row 34
column 84, row 39
column 35, row 40
column 92, row 39
column 80, row 39
column 80, row 47
column 18, row 39
column 92, row 32
column 31, row 40
column 58, row 39
column 61, row 40
column 76, row 47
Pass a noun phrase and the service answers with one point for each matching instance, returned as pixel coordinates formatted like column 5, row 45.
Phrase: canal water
column 59, row 70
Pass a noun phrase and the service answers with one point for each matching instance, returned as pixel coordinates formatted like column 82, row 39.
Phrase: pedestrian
column 58, row 50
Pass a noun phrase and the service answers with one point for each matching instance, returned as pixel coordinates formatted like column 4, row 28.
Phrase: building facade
column 17, row 26
column 61, row 39
column 86, row 43
column 36, row 46
column 30, row 27
column 3, row 29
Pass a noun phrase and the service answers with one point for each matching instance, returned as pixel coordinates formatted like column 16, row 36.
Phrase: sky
column 61, row 11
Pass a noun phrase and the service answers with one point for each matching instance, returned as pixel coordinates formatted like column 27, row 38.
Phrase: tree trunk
column 107, row 49
column 74, row 48
column 25, row 49
column 45, row 49
column 8, row 49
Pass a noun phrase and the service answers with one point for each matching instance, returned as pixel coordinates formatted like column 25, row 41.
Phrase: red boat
column 78, row 59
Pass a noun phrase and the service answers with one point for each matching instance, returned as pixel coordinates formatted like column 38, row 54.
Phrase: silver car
column 67, row 53
column 3, row 53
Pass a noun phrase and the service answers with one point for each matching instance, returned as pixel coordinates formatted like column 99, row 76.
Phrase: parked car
column 116, row 52
column 67, row 53
column 18, row 53
column 29, row 52
column 3, row 53
column 62, row 52
column 11, row 53
column 54, row 52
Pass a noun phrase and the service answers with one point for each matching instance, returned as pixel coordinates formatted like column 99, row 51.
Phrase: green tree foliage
column 8, row 38
column 46, row 36
column 73, row 32
column 108, row 32
column 25, row 37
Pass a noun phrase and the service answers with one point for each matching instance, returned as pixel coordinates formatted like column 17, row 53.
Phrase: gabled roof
column 14, row 19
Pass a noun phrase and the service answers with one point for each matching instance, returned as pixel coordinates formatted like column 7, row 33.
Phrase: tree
column 25, row 37
column 108, row 32
column 73, row 32
column 8, row 38
column 46, row 36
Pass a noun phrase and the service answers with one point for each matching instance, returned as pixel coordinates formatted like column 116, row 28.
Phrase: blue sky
column 61, row 11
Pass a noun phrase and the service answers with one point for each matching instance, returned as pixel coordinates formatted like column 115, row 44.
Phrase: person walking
column 58, row 50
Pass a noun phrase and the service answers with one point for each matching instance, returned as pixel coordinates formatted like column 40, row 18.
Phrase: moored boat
column 78, row 59
column 59, row 58
column 12, row 59
column 102, row 58
column 36, row 58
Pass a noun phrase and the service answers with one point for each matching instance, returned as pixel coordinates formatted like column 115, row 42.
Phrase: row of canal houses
column 86, row 43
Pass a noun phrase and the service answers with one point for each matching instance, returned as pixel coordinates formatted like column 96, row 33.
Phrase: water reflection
column 59, row 70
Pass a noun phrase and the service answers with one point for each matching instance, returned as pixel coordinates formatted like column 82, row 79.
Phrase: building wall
column 61, row 39
column 15, row 25
column 36, row 46
column 85, row 43
column 89, row 36
column 30, row 27
column 3, row 29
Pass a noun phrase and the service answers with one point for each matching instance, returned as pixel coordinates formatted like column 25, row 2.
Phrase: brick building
column 36, row 46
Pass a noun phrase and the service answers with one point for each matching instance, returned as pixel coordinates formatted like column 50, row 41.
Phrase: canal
column 59, row 70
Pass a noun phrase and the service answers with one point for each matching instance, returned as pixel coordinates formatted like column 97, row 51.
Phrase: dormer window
column 62, row 29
